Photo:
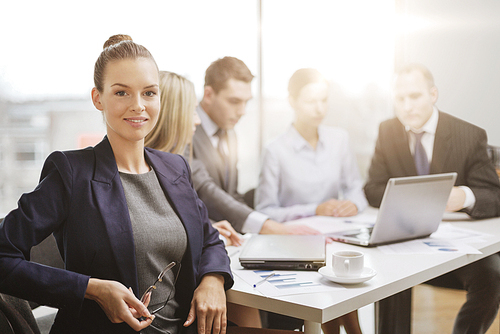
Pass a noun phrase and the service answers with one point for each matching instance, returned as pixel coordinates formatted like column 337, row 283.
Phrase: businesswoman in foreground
column 120, row 214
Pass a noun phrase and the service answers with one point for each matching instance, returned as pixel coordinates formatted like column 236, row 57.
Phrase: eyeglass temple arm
column 167, row 268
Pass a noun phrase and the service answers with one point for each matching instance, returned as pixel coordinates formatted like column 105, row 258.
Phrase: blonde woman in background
column 173, row 133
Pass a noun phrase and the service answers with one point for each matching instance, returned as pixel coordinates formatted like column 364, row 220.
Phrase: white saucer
column 367, row 274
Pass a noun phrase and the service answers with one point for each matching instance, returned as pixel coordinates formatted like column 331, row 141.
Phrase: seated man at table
column 423, row 140
column 215, row 175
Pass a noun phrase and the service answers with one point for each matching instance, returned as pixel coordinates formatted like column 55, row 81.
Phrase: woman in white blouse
column 310, row 170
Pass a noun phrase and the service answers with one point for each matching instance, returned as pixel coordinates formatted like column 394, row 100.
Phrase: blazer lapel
column 110, row 198
column 442, row 148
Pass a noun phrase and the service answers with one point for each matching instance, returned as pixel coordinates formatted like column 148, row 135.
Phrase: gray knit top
column 159, row 238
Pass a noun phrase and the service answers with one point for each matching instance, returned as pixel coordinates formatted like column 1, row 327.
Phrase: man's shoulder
column 455, row 120
column 390, row 126
column 391, row 122
column 197, row 166
column 458, row 125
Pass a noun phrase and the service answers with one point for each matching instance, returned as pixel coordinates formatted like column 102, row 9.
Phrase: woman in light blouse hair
column 310, row 170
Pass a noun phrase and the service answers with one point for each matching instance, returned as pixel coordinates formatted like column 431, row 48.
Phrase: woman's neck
column 309, row 133
column 129, row 156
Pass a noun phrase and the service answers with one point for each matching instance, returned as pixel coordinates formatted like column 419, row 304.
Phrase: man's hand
column 273, row 227
column 209, row 306
column 336, row 208
column 119, row 303
column 227, row 230
column 456, row 200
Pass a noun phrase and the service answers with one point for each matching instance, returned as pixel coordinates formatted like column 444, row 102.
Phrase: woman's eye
column 121, row 93
column 150, row 93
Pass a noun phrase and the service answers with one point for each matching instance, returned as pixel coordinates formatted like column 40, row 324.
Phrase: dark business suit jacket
column 81, row 200
column 208, row 179
column 458, row 147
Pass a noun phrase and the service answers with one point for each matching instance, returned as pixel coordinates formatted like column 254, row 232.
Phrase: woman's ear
column 96, row 99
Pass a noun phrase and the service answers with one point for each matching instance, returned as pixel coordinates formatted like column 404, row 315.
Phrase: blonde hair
column 172, row 132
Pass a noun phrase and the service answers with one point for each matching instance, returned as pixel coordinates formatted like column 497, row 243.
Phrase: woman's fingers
column 118, row 303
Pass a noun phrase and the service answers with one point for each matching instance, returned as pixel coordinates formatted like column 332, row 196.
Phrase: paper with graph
column 283, row 283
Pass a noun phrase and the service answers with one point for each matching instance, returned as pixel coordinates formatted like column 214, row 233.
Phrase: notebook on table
column 284, row 252
column 412, row 207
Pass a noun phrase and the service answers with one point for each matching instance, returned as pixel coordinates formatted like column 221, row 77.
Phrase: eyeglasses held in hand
column 158, row 280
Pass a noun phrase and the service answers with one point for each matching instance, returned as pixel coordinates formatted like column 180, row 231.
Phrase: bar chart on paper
column 280, row 283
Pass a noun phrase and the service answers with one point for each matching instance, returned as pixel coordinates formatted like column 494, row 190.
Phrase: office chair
column 16, row 316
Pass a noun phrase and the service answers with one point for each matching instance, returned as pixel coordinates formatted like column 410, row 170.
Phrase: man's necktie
column 222, row 147
column 420, row 156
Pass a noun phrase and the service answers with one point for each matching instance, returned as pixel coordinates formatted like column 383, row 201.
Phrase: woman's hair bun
column 115, row 39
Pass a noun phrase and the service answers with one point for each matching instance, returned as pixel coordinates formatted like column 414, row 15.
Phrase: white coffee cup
column 347, row 263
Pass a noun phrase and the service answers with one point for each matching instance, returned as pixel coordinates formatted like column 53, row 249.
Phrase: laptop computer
column 284, row 252
column 412, row 207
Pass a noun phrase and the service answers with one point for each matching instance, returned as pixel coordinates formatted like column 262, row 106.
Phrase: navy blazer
column 81, row 200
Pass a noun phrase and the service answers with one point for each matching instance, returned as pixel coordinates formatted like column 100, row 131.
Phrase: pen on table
column 263, row 280
column 234, row 253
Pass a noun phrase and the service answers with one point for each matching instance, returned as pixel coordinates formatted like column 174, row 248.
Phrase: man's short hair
column 223, row 69
column 419, row 68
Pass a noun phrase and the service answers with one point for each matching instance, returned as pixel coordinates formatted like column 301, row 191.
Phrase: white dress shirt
column 295, row 178
column 428, row 143
column 255, row 220
column 209, row 126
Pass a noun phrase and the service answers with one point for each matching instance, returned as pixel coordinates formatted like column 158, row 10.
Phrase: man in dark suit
column 422, row 140
column 215, row 175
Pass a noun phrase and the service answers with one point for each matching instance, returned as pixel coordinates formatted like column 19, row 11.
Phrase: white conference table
column 395, row 273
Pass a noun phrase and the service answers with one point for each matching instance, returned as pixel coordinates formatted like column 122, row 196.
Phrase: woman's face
column 311, row 104
column 129, row 101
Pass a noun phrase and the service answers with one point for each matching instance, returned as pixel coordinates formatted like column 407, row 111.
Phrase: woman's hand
column 119, row 303
column 227, row 230
column 209, row 306
column 336, row 208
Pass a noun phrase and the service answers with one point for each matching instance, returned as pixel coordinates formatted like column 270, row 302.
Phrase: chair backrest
column 47, row 253
column 16, row 316
column 5, row 326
